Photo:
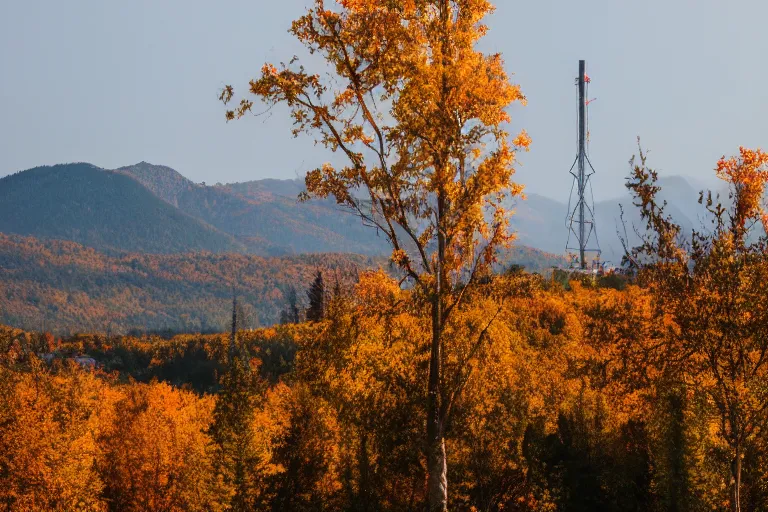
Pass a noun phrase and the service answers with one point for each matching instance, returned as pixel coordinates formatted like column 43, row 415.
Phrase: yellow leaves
column 359, row 5
column 324, row 182
column 400, row 258
column 159, row 448
column 516, row 190
column 749, row 163
column 377, row 291
column 517, row 95
column 522, row 141
column 270, row 423
column 709, row 318
column 408, row 100
column 345, row 97
column 75, row 440
column 748, row 173
column 354, row 133
column 48, row 442
column 268, row 70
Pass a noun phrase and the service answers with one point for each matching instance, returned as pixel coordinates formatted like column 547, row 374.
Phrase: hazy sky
column 114, row 83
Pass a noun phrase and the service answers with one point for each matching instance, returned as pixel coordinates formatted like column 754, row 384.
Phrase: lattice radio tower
column 582, row 236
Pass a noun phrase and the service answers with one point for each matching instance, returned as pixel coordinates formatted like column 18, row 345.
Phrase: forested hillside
column 266, row 216
column 102, row 209
column 65, row 287
column 262, row 217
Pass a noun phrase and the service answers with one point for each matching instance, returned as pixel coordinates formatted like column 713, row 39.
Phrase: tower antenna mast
column 581, row 214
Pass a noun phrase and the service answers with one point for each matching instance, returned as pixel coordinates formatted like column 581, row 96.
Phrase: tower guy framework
column 582, row 236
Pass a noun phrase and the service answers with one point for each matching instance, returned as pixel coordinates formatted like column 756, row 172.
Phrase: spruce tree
column 232, row 430
column 316, row 296
column 290, row 315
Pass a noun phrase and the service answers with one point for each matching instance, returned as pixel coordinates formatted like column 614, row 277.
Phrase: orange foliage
column 156, row 453
column 749, row 173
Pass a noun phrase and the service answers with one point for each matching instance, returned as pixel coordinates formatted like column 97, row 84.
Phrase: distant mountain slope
column 154, row 209
column 257, row 189
column 541, row 222
column 263, row 215
column 101, row 209
column 266, row 216
column 164, row 182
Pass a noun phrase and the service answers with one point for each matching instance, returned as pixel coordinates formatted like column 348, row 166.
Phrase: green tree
column 237, row 458
column 290, row 315
column 316, row 296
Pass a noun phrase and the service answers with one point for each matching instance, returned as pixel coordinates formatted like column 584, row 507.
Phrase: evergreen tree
column 232, row 430
column 290, row 315
column 316, row 296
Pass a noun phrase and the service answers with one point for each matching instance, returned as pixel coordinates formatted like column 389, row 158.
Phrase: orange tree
column 708, row 294
column 49, row 429
column 418, row 116
column 367, row 362
column 156, row 453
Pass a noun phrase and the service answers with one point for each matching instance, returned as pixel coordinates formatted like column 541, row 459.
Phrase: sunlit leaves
column 709, row 294
column 748, row 174
column 419, row 114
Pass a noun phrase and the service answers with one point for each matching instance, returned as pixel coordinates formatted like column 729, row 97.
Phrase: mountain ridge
column 103, row 209
column 151, row 248
column 267, row 222
column 264, row 217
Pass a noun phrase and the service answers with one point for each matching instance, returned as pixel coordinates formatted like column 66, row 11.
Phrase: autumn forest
column 456, row 371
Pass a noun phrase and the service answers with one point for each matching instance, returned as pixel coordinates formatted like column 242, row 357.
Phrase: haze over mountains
column 264, row 216
column 155, row 209
column 100, row 209
column 541, row 222
column 143, row 248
